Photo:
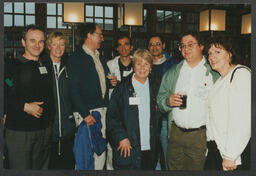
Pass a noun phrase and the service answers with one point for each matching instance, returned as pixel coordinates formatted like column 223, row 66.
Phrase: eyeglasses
column 155, row 44
column 188, row 46
column 100, row 34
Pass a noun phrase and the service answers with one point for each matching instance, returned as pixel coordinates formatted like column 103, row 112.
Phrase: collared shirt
column 142, row 92
column 160, row 60
column 195, row 83
column 99, row 68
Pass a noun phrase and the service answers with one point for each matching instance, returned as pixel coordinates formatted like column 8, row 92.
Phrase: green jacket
column 168, row 86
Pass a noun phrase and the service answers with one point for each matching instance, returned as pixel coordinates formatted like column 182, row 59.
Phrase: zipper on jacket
column 58, row 102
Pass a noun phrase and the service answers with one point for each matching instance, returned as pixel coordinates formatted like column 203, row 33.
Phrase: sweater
column 29, row 85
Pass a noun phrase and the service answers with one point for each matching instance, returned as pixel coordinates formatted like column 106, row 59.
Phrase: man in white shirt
column 119, row 67
column 186, row 126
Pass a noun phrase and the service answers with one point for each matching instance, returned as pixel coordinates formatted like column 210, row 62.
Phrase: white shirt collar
column 89, row 51
column 160, row 60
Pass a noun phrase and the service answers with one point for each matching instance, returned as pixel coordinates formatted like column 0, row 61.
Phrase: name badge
column 134, row 100
column 42, row 70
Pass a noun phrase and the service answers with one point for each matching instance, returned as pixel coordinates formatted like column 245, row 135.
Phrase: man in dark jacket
column 29, row 106
column 161, row 63
column 64, row 123
column 87, row 78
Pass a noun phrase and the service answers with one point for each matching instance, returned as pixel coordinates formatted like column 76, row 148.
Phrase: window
column 168, row 21
column 54, row 16
column 102, row 15
column 192, row 22
column 19, row 14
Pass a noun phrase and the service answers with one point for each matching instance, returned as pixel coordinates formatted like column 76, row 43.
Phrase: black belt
column 191, row 129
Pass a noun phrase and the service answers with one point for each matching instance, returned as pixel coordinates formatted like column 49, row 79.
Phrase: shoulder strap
column 235, row 71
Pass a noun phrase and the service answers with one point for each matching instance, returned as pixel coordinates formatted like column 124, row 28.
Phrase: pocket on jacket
column 121, row 161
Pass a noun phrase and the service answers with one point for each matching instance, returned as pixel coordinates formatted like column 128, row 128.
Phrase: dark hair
column 121, row 37
column 155, row 35
column 30, row 27
column 228, row 44
column 86, row 28
column 193, row 34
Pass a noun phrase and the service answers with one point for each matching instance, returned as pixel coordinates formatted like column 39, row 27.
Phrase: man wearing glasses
column 87, row 75
column 161, row 63
column 193, row 78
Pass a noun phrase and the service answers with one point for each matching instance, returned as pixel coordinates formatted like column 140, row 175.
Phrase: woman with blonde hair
column 133, row 118
column 64, row 125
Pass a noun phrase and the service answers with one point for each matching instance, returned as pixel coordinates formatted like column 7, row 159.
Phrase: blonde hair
column 142, row 54
column 53, row 35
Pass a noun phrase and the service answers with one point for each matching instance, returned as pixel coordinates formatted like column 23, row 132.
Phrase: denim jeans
column 164, row 144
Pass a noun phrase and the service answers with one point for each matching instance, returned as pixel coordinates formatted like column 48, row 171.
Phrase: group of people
column 155, row 113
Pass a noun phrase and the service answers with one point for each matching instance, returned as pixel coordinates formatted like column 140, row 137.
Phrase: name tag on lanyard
column 42, row 70
column 134, row 101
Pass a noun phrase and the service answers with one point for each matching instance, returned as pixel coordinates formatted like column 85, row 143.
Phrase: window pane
column 51, row 22
column 177, row 16
column 109, row 12
column 160, row 15
column 18, row 20
column 8, row 53
column 159, row 26
column 89, row 20
column 60, row 24
column 124, row 28
column 7, row 39
column 59, row 9
column 168, row 27
column 108, row 24
column 30, row 19
column 17, row 39
column 99, row 22
column 89, row 10
column 30, row 8
column 51, row 9
column 190, row 27
column 168, row 15
column 18, row 7
column 177, row 28
column 98, row 11
column 8, row 7
column 7, row 20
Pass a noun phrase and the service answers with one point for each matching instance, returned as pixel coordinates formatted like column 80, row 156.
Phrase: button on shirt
column 142, row 92
column 196, row 84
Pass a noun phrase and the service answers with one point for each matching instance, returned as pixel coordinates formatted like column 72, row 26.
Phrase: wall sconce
column 133, row 15
column 246, row 26
column 212, row 20
column 73, row 13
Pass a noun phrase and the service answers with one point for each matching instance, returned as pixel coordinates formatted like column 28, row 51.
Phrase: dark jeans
column 65, row 158
column 28, row 149
column 214, row 159
column 146, row 160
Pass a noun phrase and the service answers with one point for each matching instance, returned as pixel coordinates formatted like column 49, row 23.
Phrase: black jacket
column 84, row 82
column 122, row 122
column 29, row 85
column 64, row 123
